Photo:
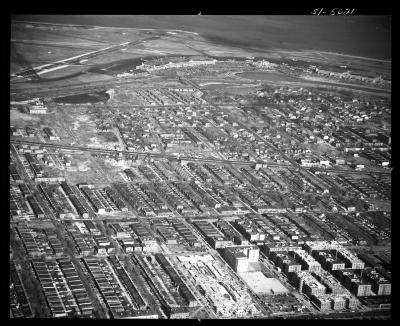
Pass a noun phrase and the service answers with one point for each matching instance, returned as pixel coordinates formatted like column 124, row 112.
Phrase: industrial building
column 239, row 257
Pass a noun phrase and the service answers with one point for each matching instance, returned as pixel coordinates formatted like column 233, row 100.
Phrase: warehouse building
column 239, row 257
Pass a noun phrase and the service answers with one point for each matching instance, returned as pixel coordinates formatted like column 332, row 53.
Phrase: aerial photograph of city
column 200, row 167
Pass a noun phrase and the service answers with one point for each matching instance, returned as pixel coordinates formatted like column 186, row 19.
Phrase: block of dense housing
column 28, row 239
column 231, row 233
column 306, row 283
column 353, row 281
column 76, row 285
column 332, row 255
column 350, row 259
column 136, row 297
column 103, row 245
column 329, row 260
column 175, row 298
column 251, row 230
column 14, row 174
column 94, row 198
column 19, row 304
column 283, row 260
column 93, row 230
column 36, row 206
column 61, row 208
column 83, row 246
column 55, row 243
column 284, row 224
column 322, row 302
column 274, row 229
column 38, row 243
column 58, row 280
column 116, row 199
column 259, row 204
column 239, row 257
column 332, row 284
column 82, row 211
column 213, row 236
column 177, row 280
column 129, row 245
column 380, row 284
column 270, row 246
column 334, row 302
column 119, row 231
column 166, row 231
column 143, row 235
column 103, row 284
column 155, row 281
column 185, row 233
column 50, row 289
column 307, row 261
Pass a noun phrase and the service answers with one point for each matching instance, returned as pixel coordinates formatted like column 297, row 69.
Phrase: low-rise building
column 36, row 109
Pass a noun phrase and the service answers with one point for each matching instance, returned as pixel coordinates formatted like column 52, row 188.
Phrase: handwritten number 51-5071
column 334, row 11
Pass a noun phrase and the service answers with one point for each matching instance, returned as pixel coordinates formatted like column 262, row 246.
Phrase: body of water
column 366, row 36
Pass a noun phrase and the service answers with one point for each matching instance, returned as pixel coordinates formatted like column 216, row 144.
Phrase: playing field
column 261, row 284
